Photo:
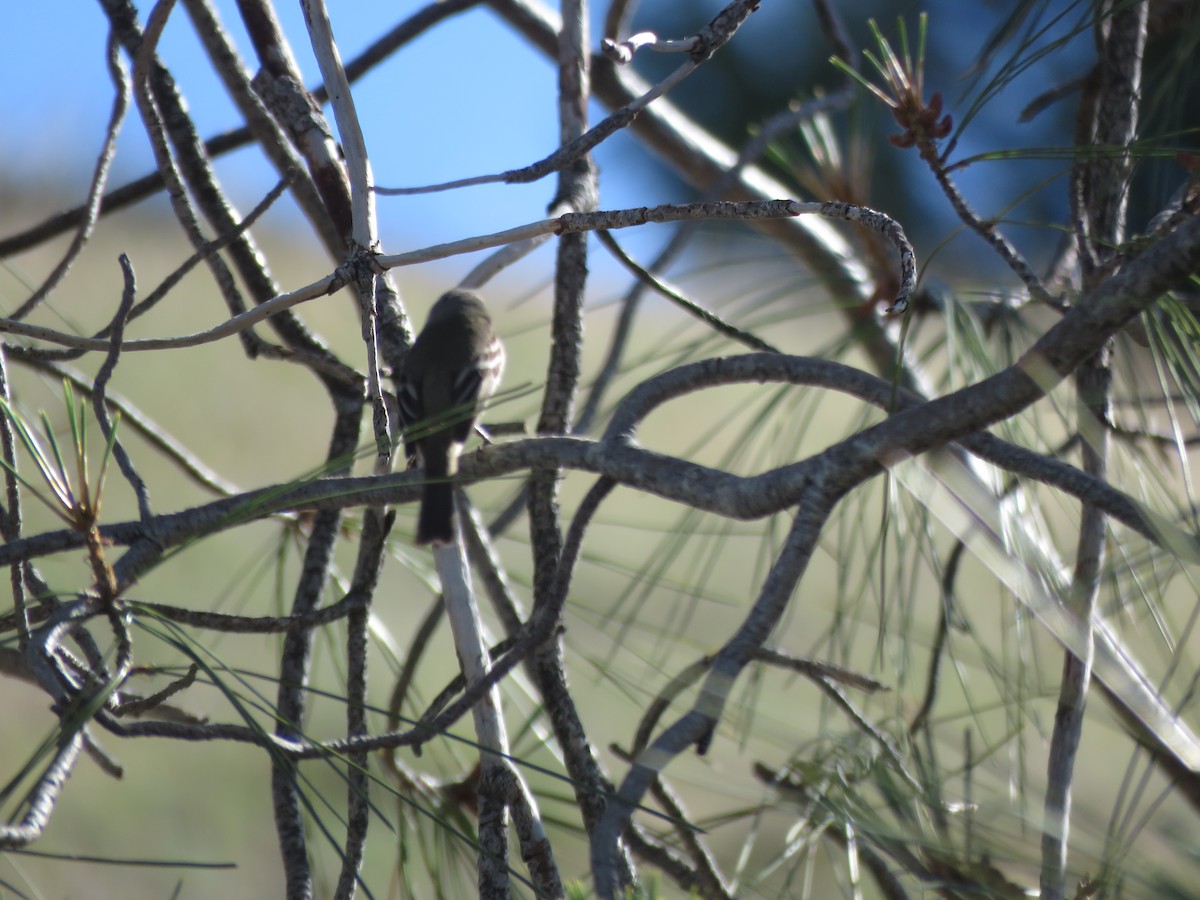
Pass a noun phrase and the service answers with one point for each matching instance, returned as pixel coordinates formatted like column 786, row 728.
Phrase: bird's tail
column 435, row 522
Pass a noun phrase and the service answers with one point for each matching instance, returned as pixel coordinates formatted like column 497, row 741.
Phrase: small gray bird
column 454, row 366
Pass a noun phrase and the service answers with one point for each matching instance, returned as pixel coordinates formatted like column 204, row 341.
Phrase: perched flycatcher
column 452, row 369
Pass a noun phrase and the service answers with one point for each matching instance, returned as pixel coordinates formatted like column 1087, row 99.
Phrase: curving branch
column 566, row 224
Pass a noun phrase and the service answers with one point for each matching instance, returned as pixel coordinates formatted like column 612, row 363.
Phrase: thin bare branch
column 90, row 211
column 100, row 388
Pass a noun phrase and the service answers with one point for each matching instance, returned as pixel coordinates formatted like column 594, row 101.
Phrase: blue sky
column 430, row 117
column 427, row 115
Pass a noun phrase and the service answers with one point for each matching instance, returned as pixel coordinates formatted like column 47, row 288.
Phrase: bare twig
column 10, row 519
column 371, row 548
column 703, row 873
column 1123, row 41
column 100, row 388
column 364, row 236
column 90, row 211
column 696, row 726
column 44, row 796
column 571, row 223
column 689, row 306
column 700, row 48
column 267, row 133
